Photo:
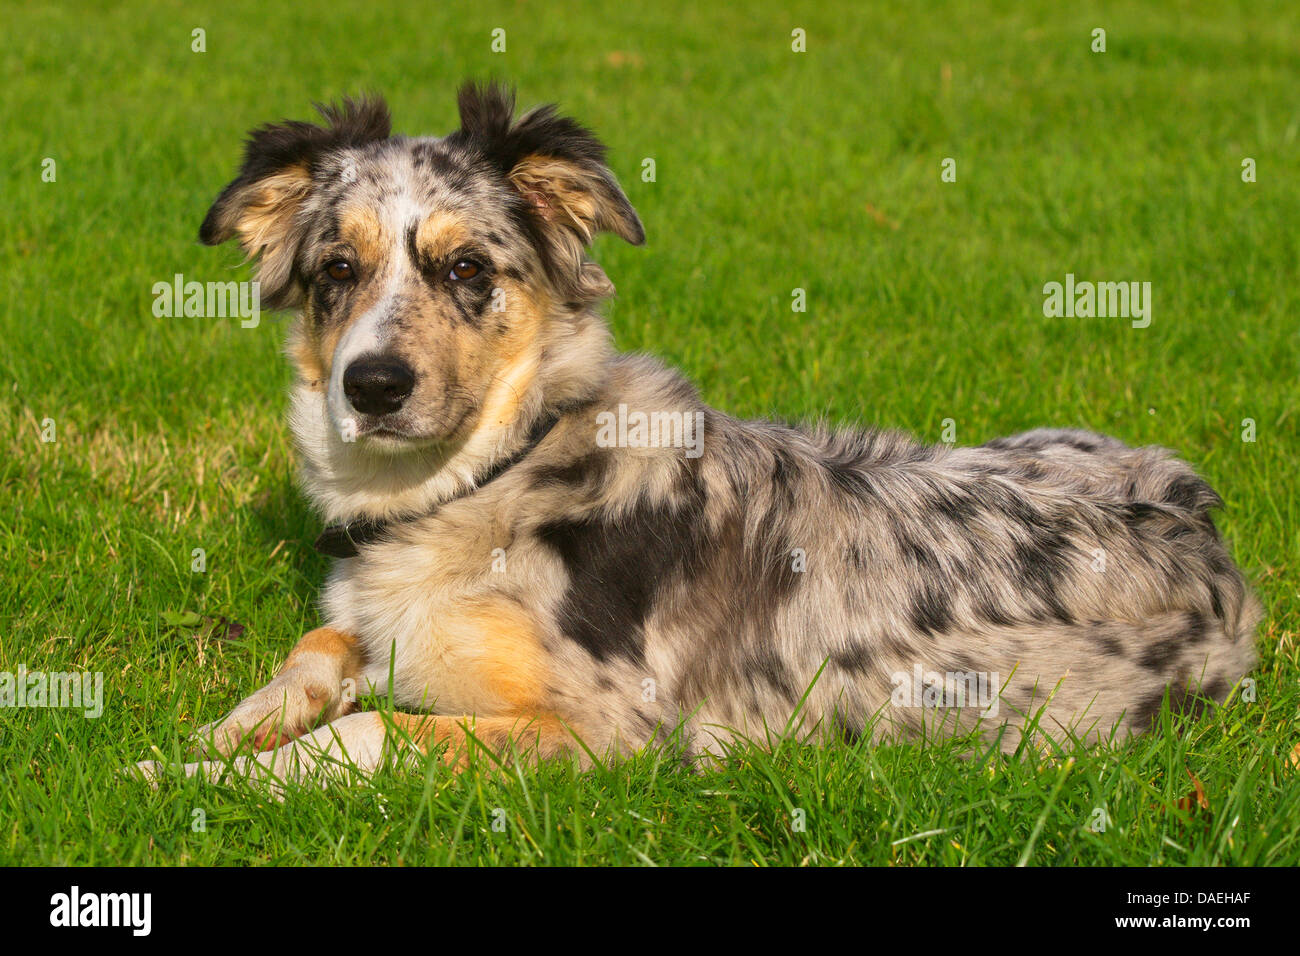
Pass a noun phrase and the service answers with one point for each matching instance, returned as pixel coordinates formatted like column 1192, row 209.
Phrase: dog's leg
column 308, row 689
column 365, row 741
column 529, row 738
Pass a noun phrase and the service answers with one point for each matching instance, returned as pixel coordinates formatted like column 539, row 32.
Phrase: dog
column 545, row 547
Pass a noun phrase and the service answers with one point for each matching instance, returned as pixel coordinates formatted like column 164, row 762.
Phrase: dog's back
column 930, row 584
column 913, row 586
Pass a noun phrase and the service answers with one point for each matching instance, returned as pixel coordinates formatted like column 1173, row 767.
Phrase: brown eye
column 462, row 270
column 339, row 271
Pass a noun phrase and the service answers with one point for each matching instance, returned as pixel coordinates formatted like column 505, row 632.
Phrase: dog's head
column 432, row 275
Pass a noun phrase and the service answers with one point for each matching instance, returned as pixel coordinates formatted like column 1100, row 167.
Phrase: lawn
column 775, row 170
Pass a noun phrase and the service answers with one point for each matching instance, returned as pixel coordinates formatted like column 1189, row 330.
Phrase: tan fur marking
column 535, row 737
column 328, row 641
column 499, row 644
column 264, row 220
column 441, row 234
column 511, row 384
column 519, row 355
column 303, row 352
column 366, row 232
column 560, row 191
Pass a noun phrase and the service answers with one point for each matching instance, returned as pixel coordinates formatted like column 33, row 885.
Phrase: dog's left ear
column 282, row 163
column 558, row 168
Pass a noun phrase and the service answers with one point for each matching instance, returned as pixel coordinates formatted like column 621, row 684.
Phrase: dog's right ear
column 260, row 207
column 557, row 167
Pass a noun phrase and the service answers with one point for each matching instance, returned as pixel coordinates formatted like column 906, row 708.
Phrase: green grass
column 775, row 171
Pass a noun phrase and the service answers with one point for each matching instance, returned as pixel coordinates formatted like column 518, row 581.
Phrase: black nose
column 377, row 385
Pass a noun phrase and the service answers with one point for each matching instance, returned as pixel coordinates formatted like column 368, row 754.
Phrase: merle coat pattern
column 447, row 334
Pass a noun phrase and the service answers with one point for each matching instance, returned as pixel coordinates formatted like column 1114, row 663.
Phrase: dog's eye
column 464, row 269
column 339, row 271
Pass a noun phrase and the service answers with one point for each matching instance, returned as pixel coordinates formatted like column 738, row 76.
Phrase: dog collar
column 342, row 540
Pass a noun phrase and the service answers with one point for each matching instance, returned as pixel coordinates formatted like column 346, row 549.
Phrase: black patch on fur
column 1136, row 513
column 931, row 611
column 955, row 504
column 1160, row 654
column 849, row 466
column 961, row 664
column 1216, row 601
column 469, row 296
column 845, row 477
column 898, row 647
column 1192, row 493
column 618, row 565
column 784, row 477
column 412, row 250
column 846, row 727
column 328, row 295
column 586, row 471
column 772, row 669
column 1183, row 699
column 1164, row 652
column 1003, row 443
column 329, row 230
column 1109, row 644
column 854, row 658
column 1041, row 563
column 427, row 156
column 985, row 601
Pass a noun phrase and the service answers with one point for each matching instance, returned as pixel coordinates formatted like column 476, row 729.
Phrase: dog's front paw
column 151, row 772
column 238, row 770
column 144, row 771
column 282, row 711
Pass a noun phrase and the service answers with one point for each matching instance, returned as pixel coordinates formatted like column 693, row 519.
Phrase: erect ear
column 277, row 176
column 558, row 168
